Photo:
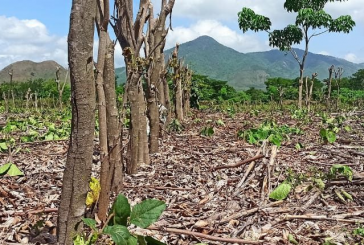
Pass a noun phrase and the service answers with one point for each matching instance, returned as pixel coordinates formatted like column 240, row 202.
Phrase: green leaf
column 79, row 240
column 249, row 20
column 147, row 212
column 141, row 240
column 132, row 241
column 291, row 239
column 90, row 223
column 49, row 136
column 319, row 183
column 342, row 169
column 3, row 146
column 281, row 192
column 119, row 234
column 4, row 168
column 347, row 195
column 14, row 171
column 121, row 209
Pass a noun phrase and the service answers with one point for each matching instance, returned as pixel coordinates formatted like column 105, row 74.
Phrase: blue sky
column 37, row 29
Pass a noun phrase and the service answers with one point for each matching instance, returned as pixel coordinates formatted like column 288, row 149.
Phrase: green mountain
column 206, row 56
column 121, row 75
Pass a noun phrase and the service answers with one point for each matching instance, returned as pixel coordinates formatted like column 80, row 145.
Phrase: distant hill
column 26, row 69
column 208, row 57
column 121, row 75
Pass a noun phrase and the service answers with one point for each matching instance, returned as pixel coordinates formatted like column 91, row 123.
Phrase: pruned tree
column 338, row 74
column 11, row 73
column 154, row 46
column 329, row 85
column 186, row 89
column 79, row 158
column 129, row 32
column 177, row 66
column 310, row 90
column 311, row 21
column 60, row 86
column 111, row 175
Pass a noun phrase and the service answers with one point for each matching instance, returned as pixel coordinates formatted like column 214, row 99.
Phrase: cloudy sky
column 37, row 29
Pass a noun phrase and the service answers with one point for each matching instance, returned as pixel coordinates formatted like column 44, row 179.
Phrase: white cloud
column 354, row 8
column 227, row 11
column 29, row 40
column 353, row 58
column 221, row 33
column 323, row 52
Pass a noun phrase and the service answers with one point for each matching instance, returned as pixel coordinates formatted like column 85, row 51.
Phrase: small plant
column 175, row 126
column 220, row 123
column 10, row 169
column 327, row 135
column 207, row 131
column 270, row 131
column 120, row 217
column 338, row 169
column 359, row 231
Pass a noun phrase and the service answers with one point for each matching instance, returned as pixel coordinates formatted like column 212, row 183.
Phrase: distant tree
column 357, row 80
column 311, row 17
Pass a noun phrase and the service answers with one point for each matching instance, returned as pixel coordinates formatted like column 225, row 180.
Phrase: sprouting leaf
column 49, row 136
column 14, row 171
column 319, row 183
column 291, row 239
column 298, row 146
column 281, row 192
column 90, row 223
column 4, row 168
column 338, row 194
column 220, row 122
column 347, row 195
column 342, row 169
column 79, row 240
column 147, row 212
column 119, row 234
column 121, row 210
column 3, row 146
column 93, row 194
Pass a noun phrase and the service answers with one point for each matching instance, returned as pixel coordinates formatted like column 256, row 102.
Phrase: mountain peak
column 27, row 69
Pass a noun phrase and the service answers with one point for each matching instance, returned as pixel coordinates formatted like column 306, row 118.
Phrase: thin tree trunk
column 331, row 70
column 113, row 127
column 300, row 85
column 79, row 158
column 103, row 144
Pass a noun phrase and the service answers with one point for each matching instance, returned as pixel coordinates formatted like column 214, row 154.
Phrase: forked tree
column 129, row 32
column 311, row 21
column 77, row 172
column 154, row 45
column 111, row 175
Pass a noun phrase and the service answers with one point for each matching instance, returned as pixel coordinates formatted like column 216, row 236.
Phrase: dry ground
column 223, row 203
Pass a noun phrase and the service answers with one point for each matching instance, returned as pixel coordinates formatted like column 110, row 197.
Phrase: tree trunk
column 143, row 153
column 79, row 158
column 113, row 128
column 133, row 148
column 331, row 70
column 300, row 85
column 105, row 176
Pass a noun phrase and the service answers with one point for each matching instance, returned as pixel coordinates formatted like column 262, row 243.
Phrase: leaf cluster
column 120, row 217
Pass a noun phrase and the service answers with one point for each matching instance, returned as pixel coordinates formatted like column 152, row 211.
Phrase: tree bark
column 105, row 174
column 79, row 158
column 113, row 127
